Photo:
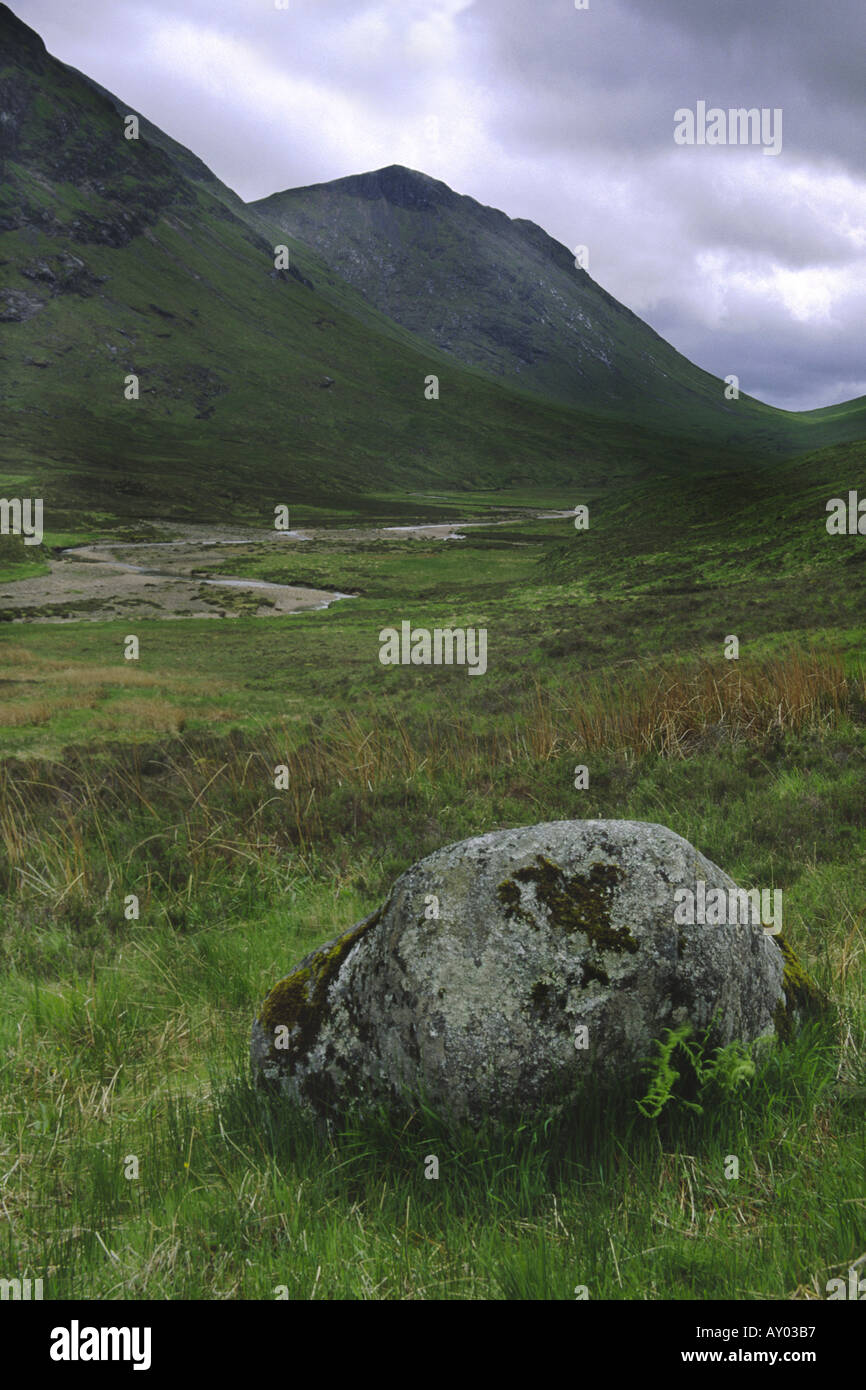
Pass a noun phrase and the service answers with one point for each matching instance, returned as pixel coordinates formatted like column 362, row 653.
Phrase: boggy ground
column 173, row 578
column 162, row 579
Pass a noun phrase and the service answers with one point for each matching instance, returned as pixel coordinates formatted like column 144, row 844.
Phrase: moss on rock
column 802, row 997
column 298, row 1001
column 576, row 902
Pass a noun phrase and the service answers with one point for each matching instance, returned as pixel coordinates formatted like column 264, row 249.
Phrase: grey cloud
column 624, row 68
column 767, row 231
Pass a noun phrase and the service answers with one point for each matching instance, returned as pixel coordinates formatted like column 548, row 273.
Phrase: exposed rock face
column 16, row 306
column 541, row 931
column 63, row 274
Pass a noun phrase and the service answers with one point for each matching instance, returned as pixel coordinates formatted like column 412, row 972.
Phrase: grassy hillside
column 259, row 385
column 122, row 258
column 501, row 294
column 256, row 385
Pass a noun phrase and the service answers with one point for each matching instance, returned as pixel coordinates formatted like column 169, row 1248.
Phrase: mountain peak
column 496, row 293
column 402, row 187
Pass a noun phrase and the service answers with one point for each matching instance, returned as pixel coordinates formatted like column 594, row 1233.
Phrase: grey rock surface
column 541, row 931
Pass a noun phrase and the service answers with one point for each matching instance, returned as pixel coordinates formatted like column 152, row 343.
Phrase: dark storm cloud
column 821, row 45
column 615, row 74
column 560, row 115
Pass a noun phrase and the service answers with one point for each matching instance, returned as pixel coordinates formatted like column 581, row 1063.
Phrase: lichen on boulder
column 518, row 967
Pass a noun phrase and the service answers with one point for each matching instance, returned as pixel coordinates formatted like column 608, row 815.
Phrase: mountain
column 502, row 295
column 257, row 385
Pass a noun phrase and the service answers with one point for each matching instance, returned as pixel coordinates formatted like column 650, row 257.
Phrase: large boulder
column 472, row 986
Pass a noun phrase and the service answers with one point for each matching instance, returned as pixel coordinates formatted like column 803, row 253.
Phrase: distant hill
column 261, row 385
column 502, row 295
column 257, row 385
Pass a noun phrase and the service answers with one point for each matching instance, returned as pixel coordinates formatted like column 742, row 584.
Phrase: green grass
column 128, row 1037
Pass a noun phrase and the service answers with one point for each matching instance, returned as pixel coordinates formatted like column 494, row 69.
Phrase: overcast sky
column 748, row 263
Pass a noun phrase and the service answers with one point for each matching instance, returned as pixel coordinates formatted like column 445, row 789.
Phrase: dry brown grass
column 96, row 676
column 23, row 656
column 14, row 714
column 154, row 716
column 41, row 690
column 667, row 709
column 224, row 791
column 672, row 711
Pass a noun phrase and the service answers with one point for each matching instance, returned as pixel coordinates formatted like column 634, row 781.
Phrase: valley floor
column 125, row 1037
column 171, row 578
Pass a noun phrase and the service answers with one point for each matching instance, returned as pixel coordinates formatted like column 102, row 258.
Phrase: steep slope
column 257, row 386
column 502, row 295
